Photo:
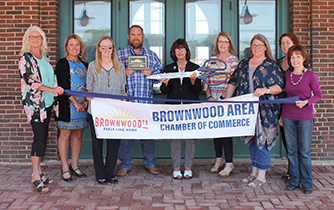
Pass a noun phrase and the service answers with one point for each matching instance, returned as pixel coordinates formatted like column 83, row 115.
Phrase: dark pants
column 107, row 170
column 228, row 148
column 40, row 130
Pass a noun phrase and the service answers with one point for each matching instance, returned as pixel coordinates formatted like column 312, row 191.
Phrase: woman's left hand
column 193, row 78
column 59, row 90
column 301, row 104
column 260, row 92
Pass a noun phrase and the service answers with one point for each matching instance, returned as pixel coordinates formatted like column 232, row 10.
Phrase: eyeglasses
column 223, row 42
column 180, row 49
column 103, row 47
column 257, row 45
column 35, row 37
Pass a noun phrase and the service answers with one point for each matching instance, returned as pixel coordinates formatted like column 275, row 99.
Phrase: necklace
column 180, row 65
column 301, row 77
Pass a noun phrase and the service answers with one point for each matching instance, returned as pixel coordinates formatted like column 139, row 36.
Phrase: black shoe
column 291, row 187
column 66, row 179
column 113, row 181
column 307, row 190
column 102, row 181
column 82, row 175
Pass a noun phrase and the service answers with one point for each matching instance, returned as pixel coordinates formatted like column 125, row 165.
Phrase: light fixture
column 84, row 19
column 246, row 15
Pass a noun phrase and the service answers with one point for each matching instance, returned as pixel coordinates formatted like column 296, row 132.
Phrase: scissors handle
column 212, row 71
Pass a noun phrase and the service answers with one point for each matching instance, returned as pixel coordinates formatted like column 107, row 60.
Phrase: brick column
column 15, row 18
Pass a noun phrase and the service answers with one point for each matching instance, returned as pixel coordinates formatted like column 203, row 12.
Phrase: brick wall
column 312, row 21
column 15, row 18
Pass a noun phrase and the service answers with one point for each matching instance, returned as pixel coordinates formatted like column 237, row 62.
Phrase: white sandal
column 188, row 174
column 227, row 171
column 177, row 175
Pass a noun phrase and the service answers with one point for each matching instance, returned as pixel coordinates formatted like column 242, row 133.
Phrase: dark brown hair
column 136, row 26
column 179, row 43
column 299, row 49
column 291, row 36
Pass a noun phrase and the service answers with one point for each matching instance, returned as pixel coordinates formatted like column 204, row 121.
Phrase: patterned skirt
column 74, row 124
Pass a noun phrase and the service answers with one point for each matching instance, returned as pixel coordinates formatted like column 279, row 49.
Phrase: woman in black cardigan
column 181, row 88
column 71, row 72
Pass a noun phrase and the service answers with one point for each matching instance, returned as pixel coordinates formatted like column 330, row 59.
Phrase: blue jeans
column 260, row 157
column 298, row 135
column 126, row 149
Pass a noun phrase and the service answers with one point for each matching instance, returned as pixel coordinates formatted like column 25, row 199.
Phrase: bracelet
column 268, row 90
column 208, row 97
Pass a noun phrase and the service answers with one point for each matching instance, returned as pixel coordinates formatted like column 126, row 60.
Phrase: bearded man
column 138, row 86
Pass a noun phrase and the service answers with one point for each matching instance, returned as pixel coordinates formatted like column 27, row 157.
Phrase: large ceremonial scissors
column 208, row 69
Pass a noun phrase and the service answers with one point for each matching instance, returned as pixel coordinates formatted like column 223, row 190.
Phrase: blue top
column 137, row 84
column 47, row 74
column 78, row 73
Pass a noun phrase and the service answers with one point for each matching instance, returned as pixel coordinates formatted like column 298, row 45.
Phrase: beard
column 136, row 45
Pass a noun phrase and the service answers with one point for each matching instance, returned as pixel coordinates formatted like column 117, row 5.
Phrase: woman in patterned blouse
column 261, row 76
column 39, row 87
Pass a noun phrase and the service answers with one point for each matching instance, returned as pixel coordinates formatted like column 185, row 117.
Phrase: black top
column 64, row 81
column 187, row 90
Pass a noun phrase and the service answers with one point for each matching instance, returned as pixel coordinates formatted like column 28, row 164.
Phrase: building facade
column 311, row 21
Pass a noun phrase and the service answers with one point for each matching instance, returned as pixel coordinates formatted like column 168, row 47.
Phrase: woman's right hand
column 165, row 81
column 280, row 121
column 59, row 90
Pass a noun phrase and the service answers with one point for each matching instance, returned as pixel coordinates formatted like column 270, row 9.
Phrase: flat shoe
column 74, row 171
column 291, row 187
column 177, row 175
column 113, row 181
column 102, row 181
column 66, row 179
column 123, row 172
column 153, row 170
column 307, row 190
column 188, row 174
column 248, row 179
column 256, row 183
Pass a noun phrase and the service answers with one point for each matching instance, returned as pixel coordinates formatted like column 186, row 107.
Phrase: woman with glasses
column 261, row 76
column 71, row 72
column 223, row 50
column 105, row 75
column 181, row 88
column 39, row 88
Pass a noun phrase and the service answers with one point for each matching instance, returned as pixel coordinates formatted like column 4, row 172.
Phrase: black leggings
column 40, row 130
column 228, row 148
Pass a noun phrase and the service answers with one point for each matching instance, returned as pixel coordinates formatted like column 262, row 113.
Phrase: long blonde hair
column 264, row 40
column 26, row 43
column 231, row 48
column 82, row 46
column 114, row 57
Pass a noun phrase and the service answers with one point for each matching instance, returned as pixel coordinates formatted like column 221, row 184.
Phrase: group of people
column 260, row 74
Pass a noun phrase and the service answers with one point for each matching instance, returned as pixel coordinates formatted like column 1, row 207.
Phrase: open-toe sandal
column 39, row 186
column 177, row 175
column 227, row 171
column 217, row 167
column 45, row 179
column 188, row 174
column 248, row 179
column 256, row 183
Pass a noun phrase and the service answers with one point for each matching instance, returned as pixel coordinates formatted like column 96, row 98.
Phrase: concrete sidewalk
column 141, row 190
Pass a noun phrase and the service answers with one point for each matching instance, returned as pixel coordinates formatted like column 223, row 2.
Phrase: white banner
column 115, row 119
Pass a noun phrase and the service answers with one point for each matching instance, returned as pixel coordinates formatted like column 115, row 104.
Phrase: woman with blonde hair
column 71, row 72
column 223, row 50
column 105, row 75
column 261, row 76
column 39, row 88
